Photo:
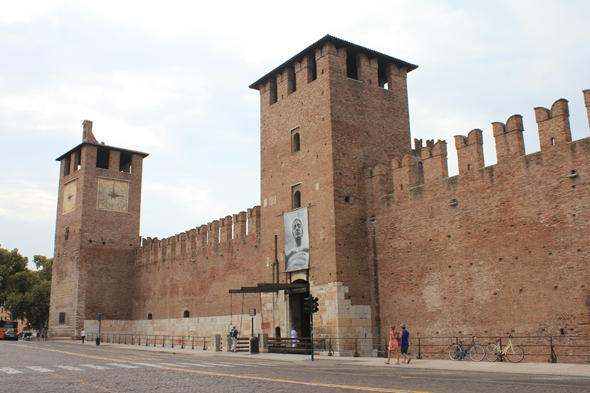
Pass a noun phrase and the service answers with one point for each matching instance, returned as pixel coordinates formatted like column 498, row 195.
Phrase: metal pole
column 311, row 322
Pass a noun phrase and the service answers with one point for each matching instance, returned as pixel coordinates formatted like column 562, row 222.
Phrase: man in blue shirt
column 405, row 344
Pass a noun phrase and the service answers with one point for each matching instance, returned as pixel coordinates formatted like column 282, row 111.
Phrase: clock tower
column 97, row 232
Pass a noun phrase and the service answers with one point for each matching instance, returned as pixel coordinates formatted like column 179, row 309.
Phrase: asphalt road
column 71, row 367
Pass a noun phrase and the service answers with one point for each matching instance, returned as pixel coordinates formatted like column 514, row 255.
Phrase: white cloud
column 25, row 201
column 24, row 10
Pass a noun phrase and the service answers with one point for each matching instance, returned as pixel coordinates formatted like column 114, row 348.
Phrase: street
column 69, row 366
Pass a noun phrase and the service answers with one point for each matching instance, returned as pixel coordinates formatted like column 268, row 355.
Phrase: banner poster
column 296, row 240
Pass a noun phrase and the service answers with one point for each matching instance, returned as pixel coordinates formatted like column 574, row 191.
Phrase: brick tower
column 329, row 114
column 97, row 231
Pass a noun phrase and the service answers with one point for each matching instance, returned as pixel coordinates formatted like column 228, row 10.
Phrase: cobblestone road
column 71, row 367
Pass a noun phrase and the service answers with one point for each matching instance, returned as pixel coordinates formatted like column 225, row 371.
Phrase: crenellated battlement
column 430, row 162
column 190, row 244
column 333, row 57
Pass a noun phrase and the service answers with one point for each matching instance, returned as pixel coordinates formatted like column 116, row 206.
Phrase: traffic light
column 99, row 316
column 307, row 304
column 315, row 304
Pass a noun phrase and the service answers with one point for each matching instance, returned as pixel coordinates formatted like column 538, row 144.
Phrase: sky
column 171, row 79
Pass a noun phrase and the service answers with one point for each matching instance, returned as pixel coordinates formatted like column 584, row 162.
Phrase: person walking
column 234, row 338
column 393, row 344
column 83, row 335
column 405, row 341
column 294, row 337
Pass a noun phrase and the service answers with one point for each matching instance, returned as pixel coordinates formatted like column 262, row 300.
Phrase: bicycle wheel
column 455, row 352
column 515, row 354
column 491, row 352
column 476, row 353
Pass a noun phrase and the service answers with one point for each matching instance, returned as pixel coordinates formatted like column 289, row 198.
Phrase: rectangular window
column 62, row 318
column 102, row 157
column 66, row 164
column 125, row 162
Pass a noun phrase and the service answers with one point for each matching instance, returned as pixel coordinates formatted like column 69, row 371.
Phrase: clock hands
column 113, row 194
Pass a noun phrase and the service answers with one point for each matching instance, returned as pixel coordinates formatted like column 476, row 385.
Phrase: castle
column 350, row 212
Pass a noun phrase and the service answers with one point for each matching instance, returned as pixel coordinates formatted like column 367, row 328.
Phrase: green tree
column 11, row 263
column 27, row 292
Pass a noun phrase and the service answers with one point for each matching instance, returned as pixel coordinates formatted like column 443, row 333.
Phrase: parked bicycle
column 458, row 352
column 495, row 352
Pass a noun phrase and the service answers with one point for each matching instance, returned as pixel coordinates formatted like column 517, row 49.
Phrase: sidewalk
column 564, row 369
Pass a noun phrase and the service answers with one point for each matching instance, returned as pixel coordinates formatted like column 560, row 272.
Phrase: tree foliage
column 25, row 293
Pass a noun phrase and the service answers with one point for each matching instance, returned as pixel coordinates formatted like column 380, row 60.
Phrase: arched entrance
column 298, row 318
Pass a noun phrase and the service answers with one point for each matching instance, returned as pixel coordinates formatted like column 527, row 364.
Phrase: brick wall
column 195, row 270
column 492, row 250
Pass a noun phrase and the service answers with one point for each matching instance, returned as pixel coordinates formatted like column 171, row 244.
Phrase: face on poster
column 296, row 240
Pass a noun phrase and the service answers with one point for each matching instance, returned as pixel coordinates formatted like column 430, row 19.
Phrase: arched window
column 149, row 316
column 296, row 143
column 297, row 199
column 185, row 314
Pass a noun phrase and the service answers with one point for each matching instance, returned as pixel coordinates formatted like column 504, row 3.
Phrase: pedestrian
column 294, row 336
column 405, row 344
column 393, row 344
column 43, row 334
column 83, row 335
column 234, row 338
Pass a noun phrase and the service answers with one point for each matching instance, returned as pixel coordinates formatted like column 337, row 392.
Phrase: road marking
column 497, row 382
column 150, row 365
column 197, row 364
column 173, row 364
column 122, row 365
column 94, row 366
column 40, row 369
column 9, row 370
column 71, row 368
column 253, row 364
column 218, row 364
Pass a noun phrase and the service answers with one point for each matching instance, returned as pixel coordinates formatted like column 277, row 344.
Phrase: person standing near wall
column 405, row 344
column 393, row 344
column 83, row 335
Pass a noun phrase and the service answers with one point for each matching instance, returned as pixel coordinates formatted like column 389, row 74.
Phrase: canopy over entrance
column 297, row 287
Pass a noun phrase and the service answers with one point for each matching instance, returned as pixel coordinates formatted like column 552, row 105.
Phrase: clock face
column 113, row 195
column 69, row 200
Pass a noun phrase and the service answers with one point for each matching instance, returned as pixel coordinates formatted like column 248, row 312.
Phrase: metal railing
column 156, row 340
column 562, row 348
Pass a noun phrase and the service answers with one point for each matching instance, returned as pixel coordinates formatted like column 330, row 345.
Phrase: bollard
column 227, row 343
column 263, row 342
column 216, row 342
column 253, row 344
